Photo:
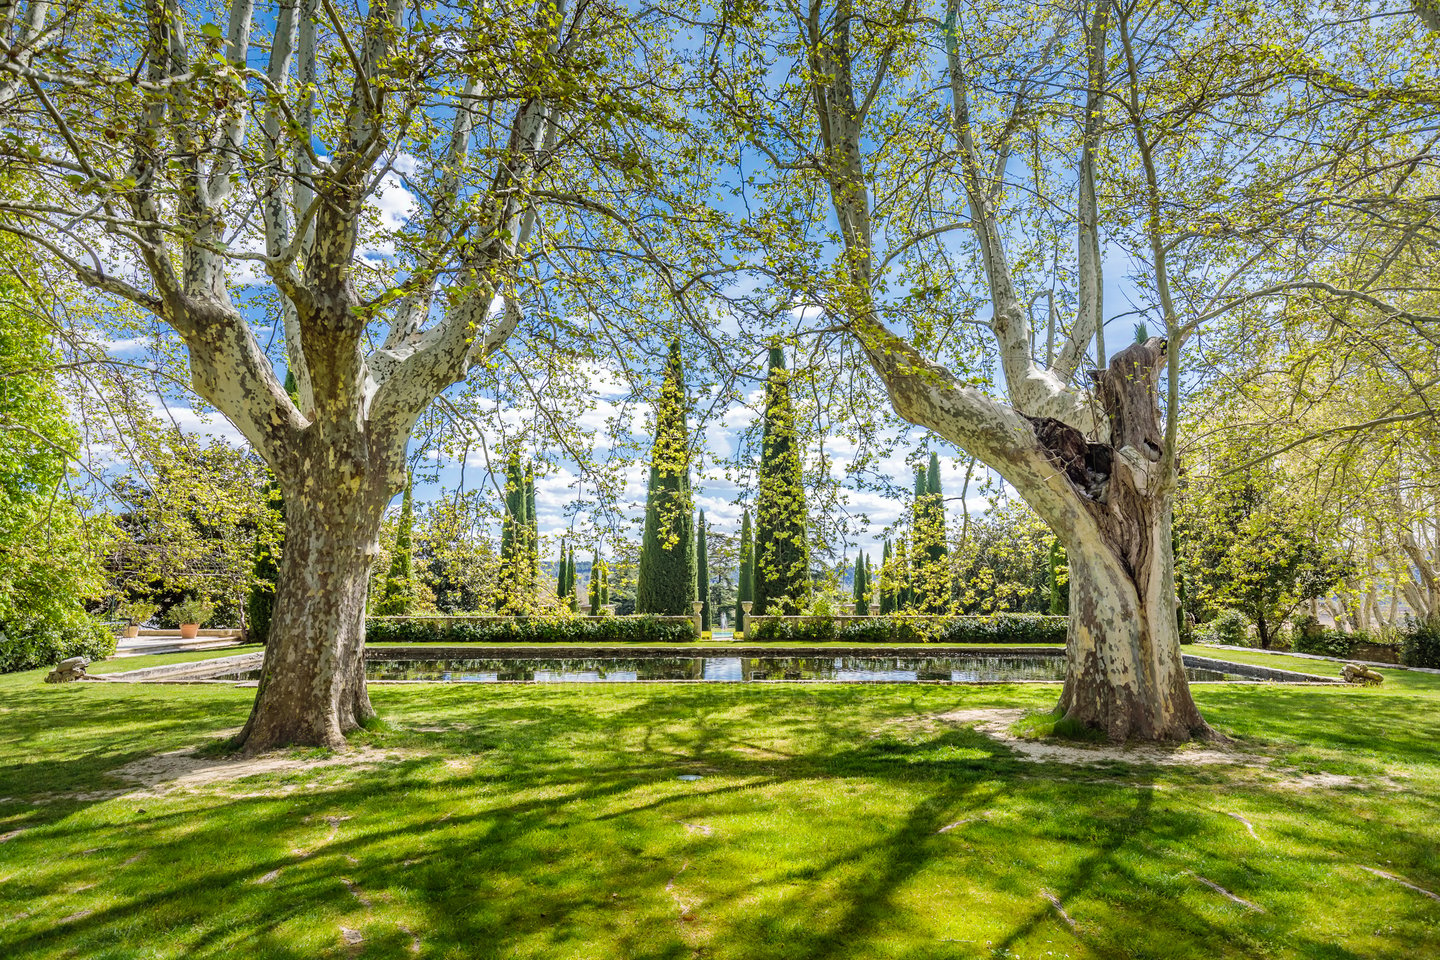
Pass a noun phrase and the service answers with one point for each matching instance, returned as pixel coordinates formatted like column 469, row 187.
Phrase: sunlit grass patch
column 814, row 821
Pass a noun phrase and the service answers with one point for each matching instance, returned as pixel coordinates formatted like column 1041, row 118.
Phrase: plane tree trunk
column 1109, row 503
column 1126, row 673
column 312, row 686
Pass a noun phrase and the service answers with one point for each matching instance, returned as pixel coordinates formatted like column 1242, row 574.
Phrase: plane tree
column 392, row 177
column 931, row 174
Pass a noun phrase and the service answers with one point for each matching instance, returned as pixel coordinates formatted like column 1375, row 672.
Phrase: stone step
column 208, row 632
column 141, row 646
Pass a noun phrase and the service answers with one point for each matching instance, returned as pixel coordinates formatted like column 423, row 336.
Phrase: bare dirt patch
column 184, row 771
column 996, row 725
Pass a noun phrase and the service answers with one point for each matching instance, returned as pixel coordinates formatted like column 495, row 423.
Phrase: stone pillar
column 699, row 608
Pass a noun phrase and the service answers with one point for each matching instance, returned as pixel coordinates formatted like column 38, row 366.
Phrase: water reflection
column 969, row 669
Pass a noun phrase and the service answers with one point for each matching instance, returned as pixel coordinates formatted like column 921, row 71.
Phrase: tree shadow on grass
column 551, row 823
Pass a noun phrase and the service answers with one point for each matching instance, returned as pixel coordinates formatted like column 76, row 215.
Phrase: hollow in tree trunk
column 1125, row 674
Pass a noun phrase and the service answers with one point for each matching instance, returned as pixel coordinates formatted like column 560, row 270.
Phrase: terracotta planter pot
column 189, row 631
column 132, row 631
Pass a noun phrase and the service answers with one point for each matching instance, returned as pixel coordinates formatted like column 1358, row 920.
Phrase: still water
column 968, row 669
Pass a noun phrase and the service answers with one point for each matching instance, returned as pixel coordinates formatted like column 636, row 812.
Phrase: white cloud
column 192, row 423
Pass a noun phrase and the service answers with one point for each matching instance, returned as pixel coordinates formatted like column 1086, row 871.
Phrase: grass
column 827, row 821
column 1396, row 678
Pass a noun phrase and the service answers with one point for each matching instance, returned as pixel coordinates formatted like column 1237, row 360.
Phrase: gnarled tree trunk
column 1126, row 673
column 312, row 687
column 1094, row 464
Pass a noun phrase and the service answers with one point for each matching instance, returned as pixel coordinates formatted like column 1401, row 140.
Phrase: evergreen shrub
column 1231, row 628
column 1325, row 643
column 30, row 642
column 528, row 630
column 1420, row 643
column 1004, row 628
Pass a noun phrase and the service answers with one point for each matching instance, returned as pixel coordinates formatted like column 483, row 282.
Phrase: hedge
column 1420, row 646
column 1337, row 643
column 1325, row 643
column 576, row 630
column 999, row 629
column 1005, row 628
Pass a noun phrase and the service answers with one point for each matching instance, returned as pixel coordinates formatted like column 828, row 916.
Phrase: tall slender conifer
column 702, row 572
column 665, row 582
column 397, row 596
column 745, row 588
column 782, row 551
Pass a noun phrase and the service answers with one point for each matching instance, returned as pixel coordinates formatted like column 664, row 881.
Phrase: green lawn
column 550, row 822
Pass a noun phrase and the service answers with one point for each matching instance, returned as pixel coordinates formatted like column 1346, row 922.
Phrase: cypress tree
column 604, row 583
column 665, row 582
column 1059, row 577
column 532, row 540
column 562, row 575
column 745, row 589
column 265, row 575
column 397, row 597
column 860, row 587
column 702, row 573
column 571, row 600
column 904, row 585
column 930, row 573
column 856, row 581
column 516, row 591
column 887, row 578
column 593, row 588
column 867, row 600
column 782, row 552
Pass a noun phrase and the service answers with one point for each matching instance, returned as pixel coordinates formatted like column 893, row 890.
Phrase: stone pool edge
column 203, row 671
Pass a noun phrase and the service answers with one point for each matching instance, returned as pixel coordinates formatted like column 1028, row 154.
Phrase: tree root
column 1069, row 921
column 1226, row 893
column 1403, row 883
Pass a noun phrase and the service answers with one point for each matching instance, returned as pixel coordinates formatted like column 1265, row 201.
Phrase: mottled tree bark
column 312, row 687
column 1126, row 673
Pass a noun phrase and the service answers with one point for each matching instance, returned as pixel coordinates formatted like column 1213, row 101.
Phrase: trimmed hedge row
column 1001, row 629
column 1005, row 628
column 575, row 630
